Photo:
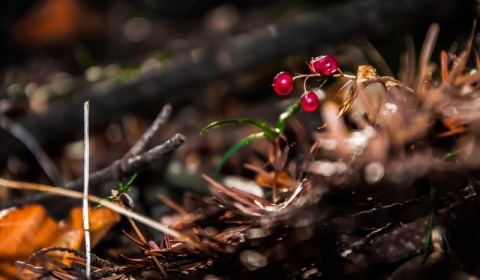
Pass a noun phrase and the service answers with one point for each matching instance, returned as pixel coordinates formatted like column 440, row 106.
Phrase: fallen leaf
column 27, row 229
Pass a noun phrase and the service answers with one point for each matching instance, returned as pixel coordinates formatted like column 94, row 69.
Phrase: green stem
column 269, row 131
column 283, row 118
column 245, row 141
column 474, row 185
column 432, row 220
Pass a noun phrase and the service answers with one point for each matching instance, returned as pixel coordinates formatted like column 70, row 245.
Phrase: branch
column 148, row 135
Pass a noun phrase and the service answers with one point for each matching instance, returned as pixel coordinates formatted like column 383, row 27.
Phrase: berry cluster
column 322, row 66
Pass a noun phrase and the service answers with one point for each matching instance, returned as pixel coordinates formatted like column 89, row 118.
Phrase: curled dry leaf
column 367, row 75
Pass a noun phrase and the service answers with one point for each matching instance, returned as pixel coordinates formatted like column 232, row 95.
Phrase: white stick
column 86, row 175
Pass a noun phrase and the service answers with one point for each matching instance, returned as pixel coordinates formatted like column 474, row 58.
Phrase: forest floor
column 380, row 181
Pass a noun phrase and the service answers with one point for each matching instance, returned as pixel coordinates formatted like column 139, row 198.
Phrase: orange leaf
column 25, row 230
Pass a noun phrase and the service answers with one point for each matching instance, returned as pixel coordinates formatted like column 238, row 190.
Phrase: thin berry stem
column 340, row 74
column 305, row 84
column 306, row 76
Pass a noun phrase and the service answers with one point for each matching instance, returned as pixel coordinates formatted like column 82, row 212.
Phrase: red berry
column 283, row 83
column 309, row 101
column 324, row 65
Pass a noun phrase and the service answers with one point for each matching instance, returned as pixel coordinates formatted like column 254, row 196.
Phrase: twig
column 132, row 165
column 111, row 171
column 142, row 238
column 147, row 136
column 33, row 146
column 140, row 161
column 86, row 172
column 172, row 204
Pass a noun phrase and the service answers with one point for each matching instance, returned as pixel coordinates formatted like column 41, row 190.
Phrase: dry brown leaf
column 367, row 75
column 25, row 230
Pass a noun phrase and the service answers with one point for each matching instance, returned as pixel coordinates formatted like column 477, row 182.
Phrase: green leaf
column 451, row 154
column 472, row 182
column 245, row 141
column 432, row 220
column 267, row 131
column 121, row 189
column 98, row 206
column 129, row 182
column 84, row 58
column 445, row 241
column 283, row 118
column 270, row 132
column 127, row 186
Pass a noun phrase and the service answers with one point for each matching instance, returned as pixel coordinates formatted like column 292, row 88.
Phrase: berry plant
column 321, row 67
column 324, row 67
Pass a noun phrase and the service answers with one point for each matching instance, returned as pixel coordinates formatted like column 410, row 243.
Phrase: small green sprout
column 451, row 154
column 122, row 188
column 84, row 57
column 473, row 183
column 432, row 219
